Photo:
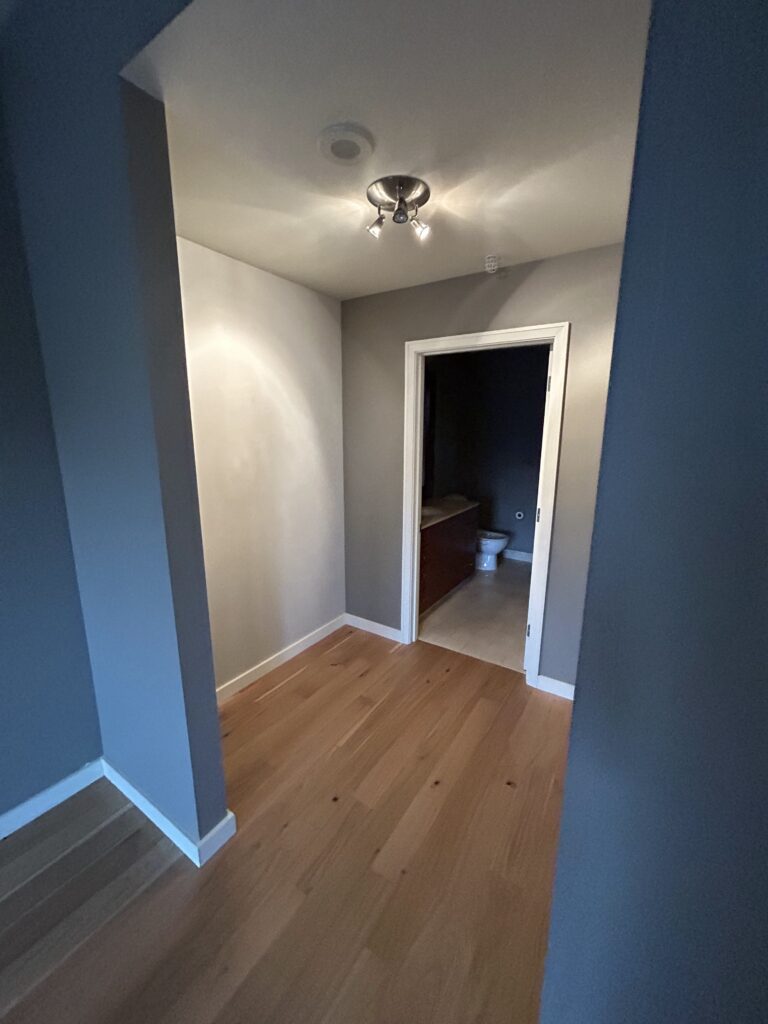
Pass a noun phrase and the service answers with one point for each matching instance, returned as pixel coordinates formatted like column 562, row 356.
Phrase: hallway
column 398, row 809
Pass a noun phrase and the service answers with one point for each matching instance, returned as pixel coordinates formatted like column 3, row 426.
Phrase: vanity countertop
column 438, row 509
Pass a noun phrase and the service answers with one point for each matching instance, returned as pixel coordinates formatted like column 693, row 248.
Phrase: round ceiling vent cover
column 345, row 143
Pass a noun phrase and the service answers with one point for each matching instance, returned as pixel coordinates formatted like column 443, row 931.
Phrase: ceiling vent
column 345, row 143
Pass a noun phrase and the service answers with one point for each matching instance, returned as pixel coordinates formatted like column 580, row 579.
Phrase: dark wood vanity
column 448, row 542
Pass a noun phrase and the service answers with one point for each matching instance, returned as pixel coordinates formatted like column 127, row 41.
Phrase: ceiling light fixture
column 375, row 228
column 402, row 196
column 422, row 230
column 400, row 216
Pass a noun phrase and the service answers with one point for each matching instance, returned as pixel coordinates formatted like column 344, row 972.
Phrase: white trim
column 228, row 689
column 21, row 815
column 518, row 556
column 556, row 337
column 198, row 850
column 214, row 839
column 388, row 632
column 555, row 686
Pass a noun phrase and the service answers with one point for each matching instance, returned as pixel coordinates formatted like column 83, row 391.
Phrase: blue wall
column 49, row 726
column 661, row 900
column 120, row 411
column 489, row 418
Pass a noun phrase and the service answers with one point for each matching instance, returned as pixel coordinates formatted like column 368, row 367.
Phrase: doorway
column 555, row 338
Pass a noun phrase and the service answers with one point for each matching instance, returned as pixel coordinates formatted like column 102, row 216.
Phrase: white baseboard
column 214, row 839
column 555, row 686
column 21, row 815
column 198, row 850
column 233, row 686
column 229, row 689
column 518, row 556
column 368, row 626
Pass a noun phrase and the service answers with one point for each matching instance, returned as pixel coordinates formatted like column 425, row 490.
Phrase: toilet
column 489, row 547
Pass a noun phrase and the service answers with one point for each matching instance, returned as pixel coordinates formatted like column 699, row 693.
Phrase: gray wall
column 97, row 223
column 660, row 901
column 489, row 416
column 264, row 359
column 152, row 207
column 48, row 722
column 580, row 287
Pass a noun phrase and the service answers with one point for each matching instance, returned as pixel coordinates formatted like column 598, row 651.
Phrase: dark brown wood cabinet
column 447, row 555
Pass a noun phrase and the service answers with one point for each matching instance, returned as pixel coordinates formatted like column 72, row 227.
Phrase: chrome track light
column 402, row 196
column 375, row 228
column 422, row 230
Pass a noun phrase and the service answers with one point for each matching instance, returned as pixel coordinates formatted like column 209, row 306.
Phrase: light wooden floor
column 398, row 810
column 485, row 617
column 64, row 876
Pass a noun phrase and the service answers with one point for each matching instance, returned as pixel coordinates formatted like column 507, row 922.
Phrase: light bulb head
column 400, row 216
column 422, row 230
column 374, row 229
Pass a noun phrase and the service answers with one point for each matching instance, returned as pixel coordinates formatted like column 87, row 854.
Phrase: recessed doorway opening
column 555, row 338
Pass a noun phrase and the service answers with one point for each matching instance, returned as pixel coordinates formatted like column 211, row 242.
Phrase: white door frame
column 555, row 336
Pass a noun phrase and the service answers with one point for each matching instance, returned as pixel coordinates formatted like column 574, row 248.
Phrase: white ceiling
column 521, row 115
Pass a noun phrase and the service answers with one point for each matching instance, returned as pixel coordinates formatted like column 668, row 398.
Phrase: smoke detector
column 491, row 264
column 345, row 143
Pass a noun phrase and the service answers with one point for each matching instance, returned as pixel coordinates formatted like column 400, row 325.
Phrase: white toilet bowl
column 489, row 547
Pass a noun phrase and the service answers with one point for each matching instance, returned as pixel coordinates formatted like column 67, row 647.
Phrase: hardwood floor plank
column 310, row 961
column 422, row 813
column 422, row 722
column 233, row 707
column 38, row 844
column 357, row 1000
column 183, row 989
column 129, row 844
column 291, row 683
column 42, row 886
column 356, row 891
column 464, row 844
column 53, row 948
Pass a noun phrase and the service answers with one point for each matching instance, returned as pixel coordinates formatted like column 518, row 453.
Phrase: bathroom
column 482, row 435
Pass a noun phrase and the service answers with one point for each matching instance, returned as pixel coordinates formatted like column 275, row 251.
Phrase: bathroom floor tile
column 484, row 617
